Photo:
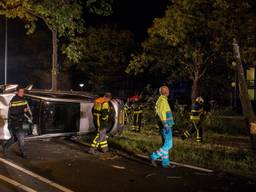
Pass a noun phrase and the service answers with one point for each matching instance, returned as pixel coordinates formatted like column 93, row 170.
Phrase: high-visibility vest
column 196, row 112
column 164, row 112
column 137, row 109
column 101, row 108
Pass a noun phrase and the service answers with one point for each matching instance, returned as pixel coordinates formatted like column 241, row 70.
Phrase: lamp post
column 234, row 85
column 5, row 51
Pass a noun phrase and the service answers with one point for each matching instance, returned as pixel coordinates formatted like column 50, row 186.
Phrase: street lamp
column 81, row 85
column 233, row 64
column 233, row 84
column 5, row 52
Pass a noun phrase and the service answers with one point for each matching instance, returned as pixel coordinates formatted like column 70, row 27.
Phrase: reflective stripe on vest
column 18, row 103
column 137, row 112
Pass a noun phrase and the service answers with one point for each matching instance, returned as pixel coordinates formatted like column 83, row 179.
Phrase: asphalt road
column 61, row 165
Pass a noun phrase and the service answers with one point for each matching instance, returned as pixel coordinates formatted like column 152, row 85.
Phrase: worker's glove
column 29, row 118
column 166, row 128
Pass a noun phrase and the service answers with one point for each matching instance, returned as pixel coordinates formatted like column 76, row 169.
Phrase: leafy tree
column 235, row 19
column 63, row 18
column 194, row 37
column 179, row 43
column 231, row 19
column 105, row 53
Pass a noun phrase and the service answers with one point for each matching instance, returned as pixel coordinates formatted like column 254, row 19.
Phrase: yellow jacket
column 164, row 112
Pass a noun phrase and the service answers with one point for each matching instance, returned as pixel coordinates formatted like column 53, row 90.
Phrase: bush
column 218, row 123
column 224, row 120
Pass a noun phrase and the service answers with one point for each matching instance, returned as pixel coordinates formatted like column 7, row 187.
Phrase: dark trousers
column 17, row 135
column 194, row 127
column 100, row 140
column 137, row 118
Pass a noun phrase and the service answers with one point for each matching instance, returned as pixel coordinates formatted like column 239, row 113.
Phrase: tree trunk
column 54, row 61
column 243, row 91
column 194, row 92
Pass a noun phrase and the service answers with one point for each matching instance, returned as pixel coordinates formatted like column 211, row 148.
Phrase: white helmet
column 200, row 100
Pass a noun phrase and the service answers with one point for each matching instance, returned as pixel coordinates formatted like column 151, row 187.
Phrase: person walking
column 18, row 112
column 101, row 116
column 165, row 123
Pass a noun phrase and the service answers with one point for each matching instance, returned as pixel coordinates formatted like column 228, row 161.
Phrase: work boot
column 92, row 151
column 153, row 163
column 23, row 155
column 105, row 150
column 183, row 137
column 137, row 130
column 165, row 163
column 4, row 150
column 199, row 140
column 166, row 166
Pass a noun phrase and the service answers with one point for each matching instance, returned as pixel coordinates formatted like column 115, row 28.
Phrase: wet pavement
column 65, row 163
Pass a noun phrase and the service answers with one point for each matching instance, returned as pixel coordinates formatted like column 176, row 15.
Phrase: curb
column 146, row 158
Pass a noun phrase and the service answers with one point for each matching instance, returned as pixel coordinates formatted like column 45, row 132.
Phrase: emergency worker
column 196, row 118
column 101, row 118
column 166, row 123
column 19, row 113
column 137, row 111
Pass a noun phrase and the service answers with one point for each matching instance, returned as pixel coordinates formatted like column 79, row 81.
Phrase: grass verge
column 218, row 157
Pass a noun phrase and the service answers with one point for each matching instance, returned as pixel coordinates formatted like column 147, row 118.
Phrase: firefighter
column 19, row 111
column 166, row 123
column 136, row 109
column 101, row 114
column 127, row 110
column 196, row 118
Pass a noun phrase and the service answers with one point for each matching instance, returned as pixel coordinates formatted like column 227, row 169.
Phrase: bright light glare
column 81, row 85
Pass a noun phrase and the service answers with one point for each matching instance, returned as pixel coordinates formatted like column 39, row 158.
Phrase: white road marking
column 38, row 177
column 118, row 167
column 192, row 167
column 16, row 184
column 182, row 165
column 150, row 175
column 174, row 177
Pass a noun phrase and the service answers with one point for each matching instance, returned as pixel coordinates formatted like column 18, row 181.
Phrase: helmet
column 200, row 100
column 108, row 95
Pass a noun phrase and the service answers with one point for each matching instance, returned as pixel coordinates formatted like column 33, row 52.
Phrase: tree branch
column 41, row 17
column 206, row 66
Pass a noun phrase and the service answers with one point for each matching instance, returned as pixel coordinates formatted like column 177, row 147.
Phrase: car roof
column 65, row 96
column 50, row 95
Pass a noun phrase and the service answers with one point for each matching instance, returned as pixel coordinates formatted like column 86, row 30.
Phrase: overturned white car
column 58, row 113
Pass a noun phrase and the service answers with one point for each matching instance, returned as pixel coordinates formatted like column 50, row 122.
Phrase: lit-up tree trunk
column 243, row 91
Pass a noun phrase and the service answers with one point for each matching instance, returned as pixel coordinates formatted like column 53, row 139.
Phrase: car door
column 60, row 117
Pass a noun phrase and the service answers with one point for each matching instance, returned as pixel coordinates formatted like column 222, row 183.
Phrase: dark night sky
column 132, row 15
column 137, row 15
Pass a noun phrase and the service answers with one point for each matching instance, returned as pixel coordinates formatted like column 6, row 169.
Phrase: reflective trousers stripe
column 101, row 144
column 104, row 146
column 165, row 157
column 98, row 120
column 187, row 134
column 95, row 145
